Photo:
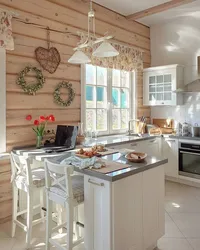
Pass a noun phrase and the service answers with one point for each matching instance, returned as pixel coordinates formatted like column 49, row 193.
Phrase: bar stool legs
column 48, row 223
column 29, row 217
column 14, row 210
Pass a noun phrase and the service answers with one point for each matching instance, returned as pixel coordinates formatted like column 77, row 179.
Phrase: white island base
column 127, row 214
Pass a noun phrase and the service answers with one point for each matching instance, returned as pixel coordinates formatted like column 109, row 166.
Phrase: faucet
column 129, row 125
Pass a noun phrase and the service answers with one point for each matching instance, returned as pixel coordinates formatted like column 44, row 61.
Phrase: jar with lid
column 185, row 129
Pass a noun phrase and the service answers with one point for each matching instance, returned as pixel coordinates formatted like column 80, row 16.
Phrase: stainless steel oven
column 189, row 159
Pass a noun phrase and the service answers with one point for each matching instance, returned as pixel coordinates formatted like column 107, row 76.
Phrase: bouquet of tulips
column 41, row 123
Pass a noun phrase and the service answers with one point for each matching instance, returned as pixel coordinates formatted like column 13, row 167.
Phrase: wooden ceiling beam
column 158, row 9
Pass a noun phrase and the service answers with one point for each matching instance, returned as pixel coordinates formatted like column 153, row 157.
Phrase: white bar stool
column 66, row 190
column 26, row 179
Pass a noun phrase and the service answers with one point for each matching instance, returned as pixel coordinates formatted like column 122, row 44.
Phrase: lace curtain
column 6, row 39
column 129, row 59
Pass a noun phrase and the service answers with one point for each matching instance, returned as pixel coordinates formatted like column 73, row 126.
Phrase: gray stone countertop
column 134, row 168
column 118, row 139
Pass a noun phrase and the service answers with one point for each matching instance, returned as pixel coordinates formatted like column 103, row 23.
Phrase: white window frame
column 132, row 102
column 2, row 100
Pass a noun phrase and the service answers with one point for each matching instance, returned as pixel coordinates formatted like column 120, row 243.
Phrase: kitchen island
column 123, row 210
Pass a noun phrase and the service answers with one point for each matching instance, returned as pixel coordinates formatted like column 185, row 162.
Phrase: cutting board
column 162, row 123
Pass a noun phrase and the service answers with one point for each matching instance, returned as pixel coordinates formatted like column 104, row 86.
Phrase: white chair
column 67, row 190
column 26, row 179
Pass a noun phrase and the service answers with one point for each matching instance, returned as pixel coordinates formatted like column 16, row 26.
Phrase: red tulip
column 52, row 118
column 47, row 118
column 42, row 118
column 28, row 117
column 36, row 122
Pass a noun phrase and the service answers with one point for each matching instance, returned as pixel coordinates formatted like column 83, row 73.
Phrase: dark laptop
column 65, row 139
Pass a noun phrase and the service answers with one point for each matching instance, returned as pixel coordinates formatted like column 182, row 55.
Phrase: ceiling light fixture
column 104, row 50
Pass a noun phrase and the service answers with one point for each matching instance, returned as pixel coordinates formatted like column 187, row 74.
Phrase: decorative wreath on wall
column 57, row 97
column 32, row 88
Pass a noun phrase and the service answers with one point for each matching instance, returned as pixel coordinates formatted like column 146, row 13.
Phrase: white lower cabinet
column 151, row 146
column 170, row 151
column 126, row 214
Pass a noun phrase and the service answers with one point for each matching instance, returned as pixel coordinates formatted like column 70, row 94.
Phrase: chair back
column 20, row 167
column 58, row 175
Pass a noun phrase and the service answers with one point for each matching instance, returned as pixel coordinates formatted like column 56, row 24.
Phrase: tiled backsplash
column 189, row 112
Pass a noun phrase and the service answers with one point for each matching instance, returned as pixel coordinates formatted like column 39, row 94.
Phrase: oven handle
column 189, row 153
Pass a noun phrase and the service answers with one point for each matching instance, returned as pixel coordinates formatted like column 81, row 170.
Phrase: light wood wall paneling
column 17, row 119
column 48, row 88
column 65, row 18
column 77, row 20
column 15, row 64
column 107, row 15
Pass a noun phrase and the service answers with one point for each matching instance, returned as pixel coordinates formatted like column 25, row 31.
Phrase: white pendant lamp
column 79, row 58
column 105, row 50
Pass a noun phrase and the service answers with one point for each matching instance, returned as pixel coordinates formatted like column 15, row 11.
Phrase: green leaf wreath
column 32, row 88
column 57, row 97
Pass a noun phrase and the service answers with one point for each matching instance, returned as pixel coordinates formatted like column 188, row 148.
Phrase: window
column 2, row 100
column 107, row 99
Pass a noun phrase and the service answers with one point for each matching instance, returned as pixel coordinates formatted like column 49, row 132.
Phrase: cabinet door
column 170, row 151
column 152, row 147
column 153, row 206
column 159, row 86
column 127, row 213
column 97, row 204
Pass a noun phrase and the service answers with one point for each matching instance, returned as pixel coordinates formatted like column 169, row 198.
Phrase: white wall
column 178, row 42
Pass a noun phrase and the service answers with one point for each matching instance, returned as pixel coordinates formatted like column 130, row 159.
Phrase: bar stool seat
column 77, row 189
column 38, row 177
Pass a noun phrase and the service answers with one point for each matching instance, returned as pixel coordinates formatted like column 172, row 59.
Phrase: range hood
column 193, row 87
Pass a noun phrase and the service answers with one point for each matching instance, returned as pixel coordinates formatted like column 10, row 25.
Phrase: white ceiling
column 127, row 7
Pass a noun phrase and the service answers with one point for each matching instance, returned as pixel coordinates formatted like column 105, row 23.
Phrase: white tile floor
column 182, row 223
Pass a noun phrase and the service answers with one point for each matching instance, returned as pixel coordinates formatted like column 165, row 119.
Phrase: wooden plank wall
column 65, row 18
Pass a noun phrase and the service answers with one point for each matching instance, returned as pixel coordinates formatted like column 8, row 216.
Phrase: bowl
column 136, row 157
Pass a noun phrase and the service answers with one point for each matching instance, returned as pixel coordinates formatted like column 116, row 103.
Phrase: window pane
column 160, row 87
column 124, row 118
column 116, row 77
column 116, row 97
column 91, row 119
column 124, row 98
column 125, row 79
column 116, row 119
column 101, row 76
column 152, row 79
column 152, row 97
column 101, row 97
column 167, row 78
column 159, row 97
column 90, row 97
column 168, row 96
column 90, row 74
column 159, row 79
column 152, row 88
column 101, row 119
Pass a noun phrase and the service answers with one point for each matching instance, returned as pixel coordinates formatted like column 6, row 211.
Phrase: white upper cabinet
column 160, row 83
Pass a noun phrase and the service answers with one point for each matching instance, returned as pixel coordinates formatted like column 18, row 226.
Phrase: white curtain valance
column 6, row 39
column 129, row 59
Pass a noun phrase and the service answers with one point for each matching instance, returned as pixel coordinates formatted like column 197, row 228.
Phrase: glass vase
column 38, row 141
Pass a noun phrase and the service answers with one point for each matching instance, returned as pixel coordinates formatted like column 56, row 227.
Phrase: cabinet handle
column 96, row 183
column 133, row 144
column 171, row 140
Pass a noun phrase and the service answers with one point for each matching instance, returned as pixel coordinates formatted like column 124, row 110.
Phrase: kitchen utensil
column 136, row 157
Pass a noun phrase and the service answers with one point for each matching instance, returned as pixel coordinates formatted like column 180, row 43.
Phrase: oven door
column 189, row 163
